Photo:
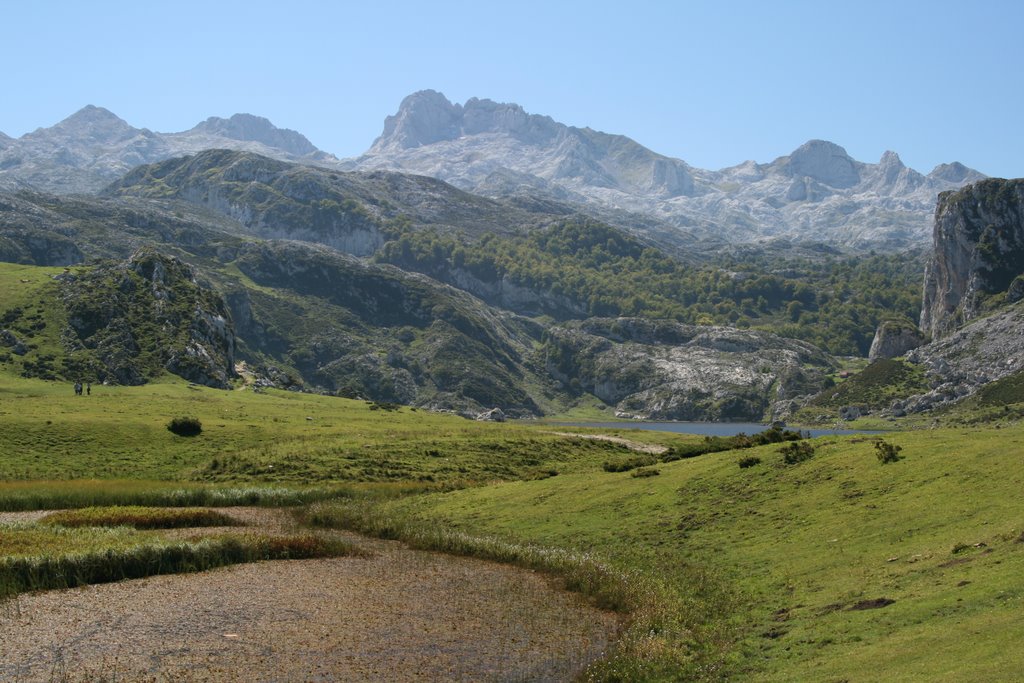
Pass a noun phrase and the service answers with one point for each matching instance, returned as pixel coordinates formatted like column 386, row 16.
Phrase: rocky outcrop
column 663, row 370
column 978, row 243
column 960, row 363
column 894, row 338
column 129, row 321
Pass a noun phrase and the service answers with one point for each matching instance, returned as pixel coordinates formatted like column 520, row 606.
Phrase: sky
column 712, row 83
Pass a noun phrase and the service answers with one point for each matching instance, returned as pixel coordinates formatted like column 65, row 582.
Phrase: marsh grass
column 61, row 495
column 139, row 517
column 43, row 558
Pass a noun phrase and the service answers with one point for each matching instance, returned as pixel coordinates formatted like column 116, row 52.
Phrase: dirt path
column 653, row 449
column 400, row 615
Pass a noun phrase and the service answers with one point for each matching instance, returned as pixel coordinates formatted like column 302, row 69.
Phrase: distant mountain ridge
column 817, row 192
column 93, row 147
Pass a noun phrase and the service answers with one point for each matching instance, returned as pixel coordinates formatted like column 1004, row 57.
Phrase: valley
column 390, row 346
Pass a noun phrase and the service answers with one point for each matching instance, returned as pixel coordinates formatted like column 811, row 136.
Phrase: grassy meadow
column 835, row 567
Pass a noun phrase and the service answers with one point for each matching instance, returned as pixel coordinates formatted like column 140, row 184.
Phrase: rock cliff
column 978, row 242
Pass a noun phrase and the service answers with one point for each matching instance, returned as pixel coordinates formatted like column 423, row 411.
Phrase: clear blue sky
column 713, row 83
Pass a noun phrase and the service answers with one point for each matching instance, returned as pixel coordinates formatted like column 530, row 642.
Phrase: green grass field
column 770, row 572
column 785, row 572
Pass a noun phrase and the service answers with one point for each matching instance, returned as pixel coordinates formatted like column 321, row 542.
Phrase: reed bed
column 111, row 559
column 57, row 495
column 139, row 517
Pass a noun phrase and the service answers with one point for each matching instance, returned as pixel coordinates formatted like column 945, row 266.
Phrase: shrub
column 749, row 461
column 627, row 464
column 887, row 452
column 645, row 472
column 185, row 426
column 796, row 451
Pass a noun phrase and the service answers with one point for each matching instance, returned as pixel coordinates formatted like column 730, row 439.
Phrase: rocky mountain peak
column 91, row 123
column 825, row 162
column 249, row 128
column 955, row 173
column 423, row 118
column 427, row 117
column 891, row 160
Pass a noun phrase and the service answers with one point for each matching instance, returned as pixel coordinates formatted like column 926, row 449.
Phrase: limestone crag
column 983, row 351
column 662, row 370
column 130, row 320
column 894, row 338
column 978, row 242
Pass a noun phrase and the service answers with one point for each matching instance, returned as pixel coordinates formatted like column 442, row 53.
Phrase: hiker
column 78, row 388
column 88, row 388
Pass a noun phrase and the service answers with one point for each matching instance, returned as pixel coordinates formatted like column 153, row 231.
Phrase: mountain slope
column 817, row 192
column 307, row 315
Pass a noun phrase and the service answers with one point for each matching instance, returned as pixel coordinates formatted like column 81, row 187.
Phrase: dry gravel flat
column 399, row 615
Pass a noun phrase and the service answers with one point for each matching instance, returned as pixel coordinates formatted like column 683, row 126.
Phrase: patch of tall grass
column 60, row 495
column 23, row 572
column 139, row 517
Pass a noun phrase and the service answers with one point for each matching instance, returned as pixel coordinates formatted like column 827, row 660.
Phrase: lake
column 708, row 428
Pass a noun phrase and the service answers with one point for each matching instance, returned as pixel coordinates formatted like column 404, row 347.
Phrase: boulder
column 894, row 338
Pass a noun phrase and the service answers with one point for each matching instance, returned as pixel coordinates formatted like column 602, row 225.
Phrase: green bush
column 631, row 463
column 645, row 472
column 185, row 426
column 749, row 461
column 887, row 452
column 796, row 451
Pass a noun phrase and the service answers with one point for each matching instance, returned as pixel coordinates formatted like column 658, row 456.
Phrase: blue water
column 708, row 428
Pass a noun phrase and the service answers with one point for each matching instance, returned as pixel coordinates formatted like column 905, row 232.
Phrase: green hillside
column 836, row 568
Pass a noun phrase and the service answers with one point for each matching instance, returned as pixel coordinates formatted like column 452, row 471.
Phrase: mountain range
column 816, row 193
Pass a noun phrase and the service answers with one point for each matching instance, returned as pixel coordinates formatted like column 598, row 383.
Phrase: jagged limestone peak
column 246, row 127
column 825, row 162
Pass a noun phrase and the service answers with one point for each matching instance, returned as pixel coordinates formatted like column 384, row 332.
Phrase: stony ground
column 398, row 615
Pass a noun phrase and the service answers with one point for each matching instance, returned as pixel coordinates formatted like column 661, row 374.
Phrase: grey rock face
column 662, row 370
column 826, row 162
column 959, row 364
column 249, row 128
column 978, row 243
column 466, row 144
column 894, row 338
